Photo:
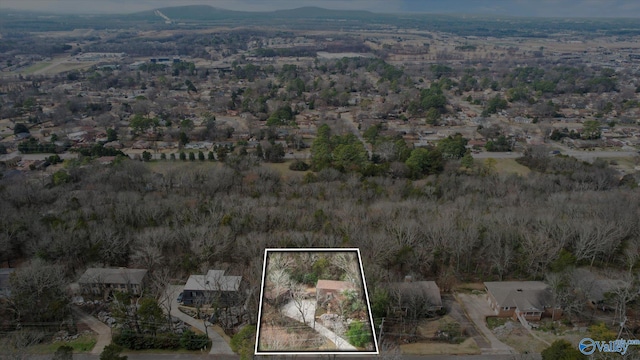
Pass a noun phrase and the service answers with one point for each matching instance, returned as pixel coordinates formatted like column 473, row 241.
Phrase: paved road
column 218, row 345
column 102, row 331
column 477, row 309
column 349, row 121
column 231, row 357
column 309, row 308
column 497, row 155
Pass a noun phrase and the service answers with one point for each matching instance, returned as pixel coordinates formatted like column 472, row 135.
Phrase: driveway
column 103, row 331
column 455, row 311
column 309, row 309
column 218, row 345
column 477, row 308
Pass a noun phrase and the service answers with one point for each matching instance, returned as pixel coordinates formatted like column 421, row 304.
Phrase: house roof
column 214, row 280
column 334, row 285
column 524, row 295
column 113, row 276
column 409, row 290
column 595, row 287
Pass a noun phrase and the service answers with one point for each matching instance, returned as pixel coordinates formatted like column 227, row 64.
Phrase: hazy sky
column 573, row 8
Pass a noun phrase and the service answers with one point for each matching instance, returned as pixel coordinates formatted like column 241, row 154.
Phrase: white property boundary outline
column 366, row 294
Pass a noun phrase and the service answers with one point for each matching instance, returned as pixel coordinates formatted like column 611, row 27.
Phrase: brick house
column 528, row 300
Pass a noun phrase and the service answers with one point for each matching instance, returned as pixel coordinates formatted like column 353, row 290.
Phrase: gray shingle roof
column 524, row 295
column 595, row 287
column 214, row 280
column 112, row 276
column 419, row 289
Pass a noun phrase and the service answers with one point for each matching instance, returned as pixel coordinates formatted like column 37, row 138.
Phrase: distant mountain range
column 314, row 8
column 498, row 25
column 205, row 12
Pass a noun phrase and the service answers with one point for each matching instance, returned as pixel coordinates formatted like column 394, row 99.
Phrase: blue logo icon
column 587, row 346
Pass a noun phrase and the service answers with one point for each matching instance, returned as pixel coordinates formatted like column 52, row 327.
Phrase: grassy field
column 35, row 67
column 493, row 322
column 511, row 166
column 83, row 343
column 59, row 68
column 470, row 288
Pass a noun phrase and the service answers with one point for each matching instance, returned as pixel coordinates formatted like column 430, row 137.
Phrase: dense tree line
column 455, row 226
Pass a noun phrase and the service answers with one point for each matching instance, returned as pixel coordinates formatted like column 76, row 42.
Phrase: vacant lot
column 468, row 347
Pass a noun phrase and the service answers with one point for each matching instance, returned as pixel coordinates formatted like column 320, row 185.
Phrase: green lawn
column 493, row 322
column 83, row 343
column 35, row 67
column 511, row 166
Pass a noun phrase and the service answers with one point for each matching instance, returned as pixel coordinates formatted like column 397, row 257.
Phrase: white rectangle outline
column 366, row 294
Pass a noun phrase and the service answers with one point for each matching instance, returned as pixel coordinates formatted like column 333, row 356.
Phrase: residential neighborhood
column 318, row 178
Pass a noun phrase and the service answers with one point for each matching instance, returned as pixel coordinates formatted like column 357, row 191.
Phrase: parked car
column 180, row 297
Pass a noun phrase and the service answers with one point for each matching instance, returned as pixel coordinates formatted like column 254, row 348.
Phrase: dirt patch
column 468, row 347
column 515, row 335
column 519, row 339
column 429, row 328
column 469, row 287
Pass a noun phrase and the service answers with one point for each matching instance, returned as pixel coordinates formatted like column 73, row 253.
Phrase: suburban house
column 522, row 300
column 5, row 286
column 595, row 289
column 414, row 299
column 332, row 289
column 103, row 281
column 213, row 288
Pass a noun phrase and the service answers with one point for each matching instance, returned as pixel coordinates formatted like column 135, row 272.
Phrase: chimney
column 408, row 279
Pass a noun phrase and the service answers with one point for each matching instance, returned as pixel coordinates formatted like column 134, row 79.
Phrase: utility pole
column 380, row 334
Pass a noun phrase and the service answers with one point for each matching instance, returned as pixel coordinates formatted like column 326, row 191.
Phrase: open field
column 511, row 166
column 66, row 66
column 36, row 67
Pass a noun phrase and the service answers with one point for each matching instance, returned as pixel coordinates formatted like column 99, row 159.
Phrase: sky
column 561, row 8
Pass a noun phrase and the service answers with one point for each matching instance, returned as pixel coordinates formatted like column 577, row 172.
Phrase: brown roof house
column 105, row 280
column 522, row 300
column 329, row 289
column 415, row 299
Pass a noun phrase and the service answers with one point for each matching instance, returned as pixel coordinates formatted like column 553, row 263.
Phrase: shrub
column 192, row 341
column 299, row 165
column 243, row 342
column 358, row 335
